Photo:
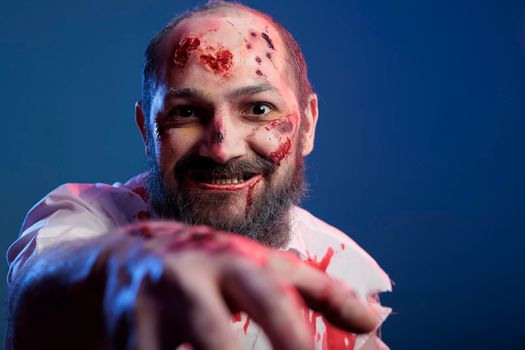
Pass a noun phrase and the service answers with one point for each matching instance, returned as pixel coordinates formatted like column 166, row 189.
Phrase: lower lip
column 227, row 187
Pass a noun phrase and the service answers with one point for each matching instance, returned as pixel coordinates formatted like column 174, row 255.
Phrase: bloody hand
column 173, row 284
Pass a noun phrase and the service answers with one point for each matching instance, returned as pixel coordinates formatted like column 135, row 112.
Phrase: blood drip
column 183, row 49
column 268, row 40
column 219, row 63
column 237, row 317
column 325, row 261
column 259, row 73
column 258, row 59
column 282, row 152
column 246, row 324
column 249, row 197
column 334, row 338
column 269, row 55
column 141, row 191
column 342, row 246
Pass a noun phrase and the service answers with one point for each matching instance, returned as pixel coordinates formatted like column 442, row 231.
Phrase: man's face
column 227, row 141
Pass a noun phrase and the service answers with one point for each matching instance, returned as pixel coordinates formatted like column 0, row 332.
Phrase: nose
column 222, row 141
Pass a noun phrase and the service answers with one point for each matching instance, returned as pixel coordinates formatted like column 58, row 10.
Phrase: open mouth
column 226, row 183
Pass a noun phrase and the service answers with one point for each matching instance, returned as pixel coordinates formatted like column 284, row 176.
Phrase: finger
column 336, row 301
column 182, row 306
column 210, row 324
column 148, row 334
column 206, row 321
column 277, row 308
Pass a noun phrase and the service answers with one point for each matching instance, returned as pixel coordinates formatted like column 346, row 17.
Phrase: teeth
column 225, row 181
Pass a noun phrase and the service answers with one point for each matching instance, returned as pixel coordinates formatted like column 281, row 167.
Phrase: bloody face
column 225, row 147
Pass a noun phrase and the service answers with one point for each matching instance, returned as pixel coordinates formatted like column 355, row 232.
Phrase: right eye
column 185, row 111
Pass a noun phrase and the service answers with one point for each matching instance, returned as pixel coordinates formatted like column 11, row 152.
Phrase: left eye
column 259, row 109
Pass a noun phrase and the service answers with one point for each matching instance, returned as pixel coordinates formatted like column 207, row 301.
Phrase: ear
column 311, row 112
column 141, row 123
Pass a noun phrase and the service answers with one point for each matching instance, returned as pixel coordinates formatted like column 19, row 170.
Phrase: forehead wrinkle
column 252, row 90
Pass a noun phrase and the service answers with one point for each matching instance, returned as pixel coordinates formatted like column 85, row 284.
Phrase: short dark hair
column 150, row 73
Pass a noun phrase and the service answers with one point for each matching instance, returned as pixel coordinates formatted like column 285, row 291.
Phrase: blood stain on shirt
column 219, row 63
column 325, row 261
column 246, row 324
column 141, row 191
column 342, row 246
column 236, row 317
column 334, row 338
column 183, row 49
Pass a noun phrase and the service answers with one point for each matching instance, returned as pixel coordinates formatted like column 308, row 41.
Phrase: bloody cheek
column 281, row 152
column 283, row 125
column 281, row 128
column 274, row 140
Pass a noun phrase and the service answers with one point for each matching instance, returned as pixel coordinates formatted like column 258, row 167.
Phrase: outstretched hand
column 174, row 284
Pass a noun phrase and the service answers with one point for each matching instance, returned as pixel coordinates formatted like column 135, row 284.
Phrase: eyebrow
column 241, row 92
column 186, row 92
column 252, row 90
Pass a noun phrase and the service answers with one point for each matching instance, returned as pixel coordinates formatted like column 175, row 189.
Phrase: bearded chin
column 266, row 220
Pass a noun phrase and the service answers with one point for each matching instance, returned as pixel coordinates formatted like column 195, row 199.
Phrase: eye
column 185, row 111
column 259, row 108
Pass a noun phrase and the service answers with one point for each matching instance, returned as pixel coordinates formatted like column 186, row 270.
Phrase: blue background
column 419, row 150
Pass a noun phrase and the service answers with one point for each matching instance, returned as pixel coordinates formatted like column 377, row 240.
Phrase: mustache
column 203, row 168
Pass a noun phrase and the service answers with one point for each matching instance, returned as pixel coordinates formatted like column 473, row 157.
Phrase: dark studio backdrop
column 419, row 149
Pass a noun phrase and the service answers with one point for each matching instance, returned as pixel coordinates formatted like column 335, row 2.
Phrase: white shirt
column 76, row 211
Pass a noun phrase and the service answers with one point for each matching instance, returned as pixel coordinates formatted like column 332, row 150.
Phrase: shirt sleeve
column 374, row 342
column 69, row 213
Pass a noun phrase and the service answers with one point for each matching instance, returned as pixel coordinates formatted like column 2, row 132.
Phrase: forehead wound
column 216, row 59
column 218, row 44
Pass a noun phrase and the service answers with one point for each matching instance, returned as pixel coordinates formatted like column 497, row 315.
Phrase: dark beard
column 266, row 218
